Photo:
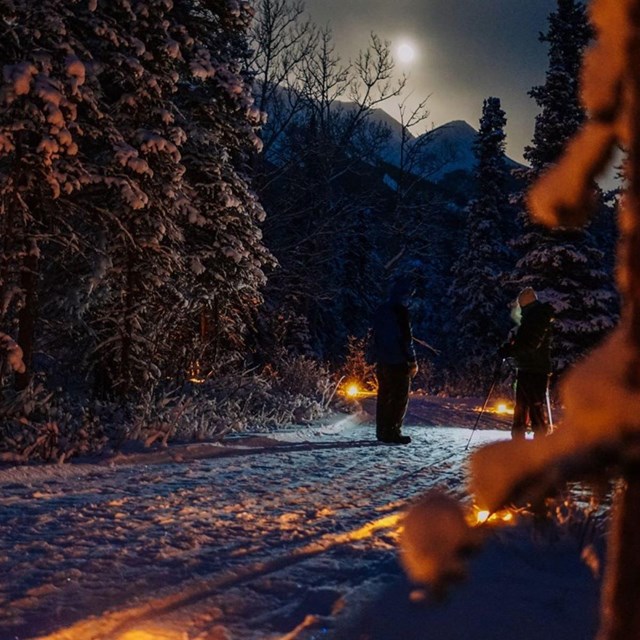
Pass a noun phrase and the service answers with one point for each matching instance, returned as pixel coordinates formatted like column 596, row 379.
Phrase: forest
column 201, row 207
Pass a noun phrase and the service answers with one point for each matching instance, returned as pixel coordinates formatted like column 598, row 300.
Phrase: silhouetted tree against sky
column 599, row 435
column 480, row 322
column 564, row 266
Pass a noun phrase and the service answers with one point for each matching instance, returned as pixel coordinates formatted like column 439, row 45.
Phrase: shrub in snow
column 298, row 391
column 25, row 441
column 300, row 375
column 39, row 425
column 435, row 541
column 356, row 368
column 34, row 425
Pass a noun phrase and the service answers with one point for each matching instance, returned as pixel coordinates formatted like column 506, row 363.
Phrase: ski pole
column 484, row 406
column 549, row 408
column 426, row 345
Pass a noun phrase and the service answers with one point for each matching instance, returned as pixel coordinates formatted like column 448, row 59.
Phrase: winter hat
column 527, row 296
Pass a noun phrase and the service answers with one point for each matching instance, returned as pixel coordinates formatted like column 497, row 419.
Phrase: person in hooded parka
column 530, row 348
column 395, row 360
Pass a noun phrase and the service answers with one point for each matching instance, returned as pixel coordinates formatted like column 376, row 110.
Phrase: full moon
column 406, row 52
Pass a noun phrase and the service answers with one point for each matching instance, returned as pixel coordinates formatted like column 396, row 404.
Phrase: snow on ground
column 290, row 536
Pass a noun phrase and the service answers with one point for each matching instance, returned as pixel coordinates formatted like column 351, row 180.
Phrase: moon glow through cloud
column 465, row 51
column 406, row 52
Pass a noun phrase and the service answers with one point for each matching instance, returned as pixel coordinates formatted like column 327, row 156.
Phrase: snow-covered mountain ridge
column 438, row 152
column 445, row 149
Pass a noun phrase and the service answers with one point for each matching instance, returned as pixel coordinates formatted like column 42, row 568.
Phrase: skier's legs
column 520, row 411
column 537, row 404
column 383, row 402
column 531, row 387
column 400, row 398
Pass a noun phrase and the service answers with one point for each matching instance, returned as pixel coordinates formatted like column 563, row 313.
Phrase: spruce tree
column 224, row 254
column 51, row 126
column 188, row 282
column 477, row 295
column 130, row 230
column 564, row 266
column 144, row 194
column 561, row 112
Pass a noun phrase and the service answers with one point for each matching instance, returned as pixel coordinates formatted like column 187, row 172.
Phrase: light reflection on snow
column 369, row 529
column 206, row 528
column 151, row 634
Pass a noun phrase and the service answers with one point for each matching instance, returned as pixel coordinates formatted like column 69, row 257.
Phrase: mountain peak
column 458, row 129
column 457, row 124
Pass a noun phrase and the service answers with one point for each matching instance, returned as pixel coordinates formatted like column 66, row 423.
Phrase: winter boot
column 396, row 438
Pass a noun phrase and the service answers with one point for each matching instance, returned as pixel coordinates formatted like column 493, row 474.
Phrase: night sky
column 467, row 50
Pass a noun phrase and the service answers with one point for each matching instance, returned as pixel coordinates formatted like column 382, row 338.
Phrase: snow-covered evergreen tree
column 478, row 298
column 193, row 111
column 224, row 251
column 144, row 195
column 125, row 137
column 561, row 113
column 564, row 266
column 49, row 110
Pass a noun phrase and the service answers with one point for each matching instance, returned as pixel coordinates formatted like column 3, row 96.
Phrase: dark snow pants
column 394, row 382
column 531, row 396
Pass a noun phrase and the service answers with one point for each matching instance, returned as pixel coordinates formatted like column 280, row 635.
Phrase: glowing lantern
column 352, row 390
column 481, row 516
column 500, row 408
column 195, row 374
column 503, row 408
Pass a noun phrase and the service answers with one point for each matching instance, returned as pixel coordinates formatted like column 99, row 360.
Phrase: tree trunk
column 125, row 379
column 621, row 595
column 621, row 591
column 27, row 318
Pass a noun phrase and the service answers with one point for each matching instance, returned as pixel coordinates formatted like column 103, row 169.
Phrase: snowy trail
column 247, row 542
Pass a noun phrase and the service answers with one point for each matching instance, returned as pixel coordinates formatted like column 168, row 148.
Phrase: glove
column 413, row 369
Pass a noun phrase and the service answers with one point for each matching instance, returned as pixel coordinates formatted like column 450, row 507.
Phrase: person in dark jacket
column 531, row 349
column 395, row 361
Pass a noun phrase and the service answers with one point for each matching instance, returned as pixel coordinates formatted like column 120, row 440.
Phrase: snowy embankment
column 291, row 535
